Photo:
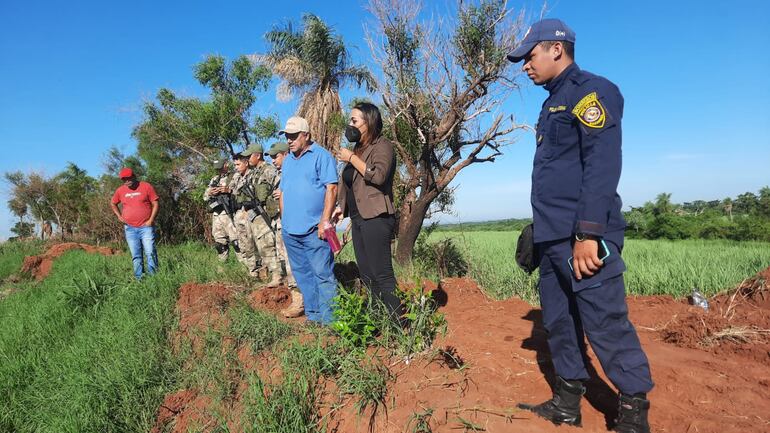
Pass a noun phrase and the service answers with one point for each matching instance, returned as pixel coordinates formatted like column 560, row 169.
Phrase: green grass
column 12, row 255
column 654, row 266
column 86, row 350
column 257, row 328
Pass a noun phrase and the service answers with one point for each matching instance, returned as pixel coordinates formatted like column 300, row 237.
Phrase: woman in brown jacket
column 365, row 194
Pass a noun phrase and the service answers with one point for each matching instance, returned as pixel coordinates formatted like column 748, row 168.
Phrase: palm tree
column 663, row 203
column 727, row 205
column 314, row 60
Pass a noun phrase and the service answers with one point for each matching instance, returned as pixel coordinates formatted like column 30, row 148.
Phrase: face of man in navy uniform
column 542, row 64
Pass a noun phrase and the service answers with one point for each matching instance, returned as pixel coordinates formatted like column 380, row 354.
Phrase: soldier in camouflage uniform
column 242, row 224
column 222, row 224
column 263, row 180
column 277, row 152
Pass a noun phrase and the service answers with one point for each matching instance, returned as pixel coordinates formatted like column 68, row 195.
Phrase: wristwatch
column 580, row 236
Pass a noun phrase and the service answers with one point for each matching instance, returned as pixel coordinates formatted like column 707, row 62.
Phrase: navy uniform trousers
column 596, row 306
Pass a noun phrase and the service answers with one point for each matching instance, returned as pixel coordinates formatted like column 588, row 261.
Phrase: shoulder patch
column 590, row 111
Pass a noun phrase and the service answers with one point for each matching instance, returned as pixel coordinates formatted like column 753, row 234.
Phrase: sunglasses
column 292, row 136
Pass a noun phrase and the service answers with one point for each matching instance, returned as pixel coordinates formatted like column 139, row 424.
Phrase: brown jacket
column 374, row 190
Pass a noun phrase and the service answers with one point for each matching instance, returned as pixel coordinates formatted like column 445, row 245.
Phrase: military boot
column 632, row 414
column 262, row 273
column 297, row 306
column 275, row 280
column 564, row 407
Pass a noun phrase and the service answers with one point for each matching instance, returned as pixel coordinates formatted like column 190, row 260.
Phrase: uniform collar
column 554, row 85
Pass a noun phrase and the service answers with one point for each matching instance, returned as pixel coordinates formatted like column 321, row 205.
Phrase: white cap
column 295, row 124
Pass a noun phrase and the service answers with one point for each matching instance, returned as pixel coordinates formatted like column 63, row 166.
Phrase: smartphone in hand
column 604, row 252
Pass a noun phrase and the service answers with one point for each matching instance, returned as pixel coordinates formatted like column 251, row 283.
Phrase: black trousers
column 371, row 241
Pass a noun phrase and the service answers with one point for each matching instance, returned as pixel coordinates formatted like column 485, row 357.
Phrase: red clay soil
column 186, row 408
column 704, row 382
column 710, row 368
column 40, row 266
column 270, row 298
column 200, row 307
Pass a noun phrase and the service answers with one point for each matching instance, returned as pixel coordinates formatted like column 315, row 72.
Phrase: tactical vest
column 238, row 182
column 264, row 185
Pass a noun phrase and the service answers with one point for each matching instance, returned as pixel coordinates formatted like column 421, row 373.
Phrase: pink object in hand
column 330, row 233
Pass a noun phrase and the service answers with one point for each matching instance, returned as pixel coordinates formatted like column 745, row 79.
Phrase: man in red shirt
column 139, row 208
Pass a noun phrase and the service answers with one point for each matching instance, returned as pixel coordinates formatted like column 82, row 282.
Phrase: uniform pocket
column 550, row 141
column 613, row 266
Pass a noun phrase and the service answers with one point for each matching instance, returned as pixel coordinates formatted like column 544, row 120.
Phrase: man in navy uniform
column 578, row 230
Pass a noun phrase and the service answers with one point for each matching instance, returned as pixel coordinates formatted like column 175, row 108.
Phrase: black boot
column 632, row 414
column 564, row 407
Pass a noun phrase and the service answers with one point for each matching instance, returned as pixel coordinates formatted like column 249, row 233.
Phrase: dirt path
column 40, row 266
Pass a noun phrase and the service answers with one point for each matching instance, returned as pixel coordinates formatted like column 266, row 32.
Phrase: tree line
column 438, row 78
column 745, row 217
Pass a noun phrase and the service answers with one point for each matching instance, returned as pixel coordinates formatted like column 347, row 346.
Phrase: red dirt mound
column 270, row 298
column 495, row 354
column 200, row 305
column 40, row 266
column 736, row 323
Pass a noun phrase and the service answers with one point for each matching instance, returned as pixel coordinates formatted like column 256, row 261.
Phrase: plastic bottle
column 330, row 233
column 699, row 300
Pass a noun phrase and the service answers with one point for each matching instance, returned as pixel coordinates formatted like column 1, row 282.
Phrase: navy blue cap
column 549, row 29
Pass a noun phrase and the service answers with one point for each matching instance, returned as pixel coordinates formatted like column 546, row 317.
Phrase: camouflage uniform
column 263, row 180
column 280, row 249
column 242, row 225
column 222, row 225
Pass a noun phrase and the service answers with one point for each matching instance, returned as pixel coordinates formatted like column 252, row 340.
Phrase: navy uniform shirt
column 578, row 159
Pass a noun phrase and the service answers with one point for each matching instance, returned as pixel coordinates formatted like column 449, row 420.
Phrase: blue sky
column 73, row 77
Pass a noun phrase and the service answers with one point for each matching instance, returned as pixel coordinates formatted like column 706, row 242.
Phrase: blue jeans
column 142, row 239
column 312, row 264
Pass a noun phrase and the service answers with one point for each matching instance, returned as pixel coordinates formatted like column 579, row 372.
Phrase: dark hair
column 373, row 119
column 569, row 47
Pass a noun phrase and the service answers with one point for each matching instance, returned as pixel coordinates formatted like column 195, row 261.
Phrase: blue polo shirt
column 303, row 185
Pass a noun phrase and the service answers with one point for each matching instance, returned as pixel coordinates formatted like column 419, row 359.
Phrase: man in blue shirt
column 578, row 230
column 308, row 196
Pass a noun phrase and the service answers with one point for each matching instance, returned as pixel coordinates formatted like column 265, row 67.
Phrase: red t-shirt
column 137, row 203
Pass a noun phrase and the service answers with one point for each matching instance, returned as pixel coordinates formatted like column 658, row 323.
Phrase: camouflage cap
column 218, row 163
column 278, row 147
column 253, row 148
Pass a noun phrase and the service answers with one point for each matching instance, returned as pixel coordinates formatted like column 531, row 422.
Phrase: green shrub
column 352, row 318
column 423, row 321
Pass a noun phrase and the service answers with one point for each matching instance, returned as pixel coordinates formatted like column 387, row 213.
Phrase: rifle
column 225, row 200
column 254, row 204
